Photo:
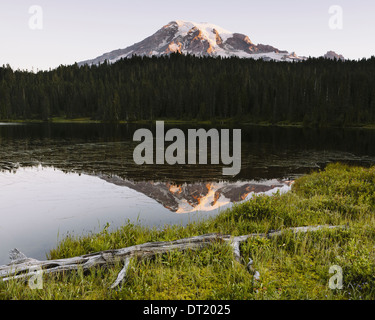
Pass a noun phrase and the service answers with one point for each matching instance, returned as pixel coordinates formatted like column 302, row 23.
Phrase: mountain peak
column 333, row 55
column 199, row 39
column 201, row 25
column 207, row 31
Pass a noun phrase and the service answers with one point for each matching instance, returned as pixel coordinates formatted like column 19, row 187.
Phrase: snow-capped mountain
column 200, row 196
column 199, row 39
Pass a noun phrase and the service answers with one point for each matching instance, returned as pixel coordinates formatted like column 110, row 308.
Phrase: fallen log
column 121, row 276
column 22, row 267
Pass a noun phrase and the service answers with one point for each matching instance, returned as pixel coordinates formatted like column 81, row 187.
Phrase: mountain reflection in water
column 201, row 196
column 57, row 179
column 40, row 205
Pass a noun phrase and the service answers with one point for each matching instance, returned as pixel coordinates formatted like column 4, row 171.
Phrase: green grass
column 291, row 267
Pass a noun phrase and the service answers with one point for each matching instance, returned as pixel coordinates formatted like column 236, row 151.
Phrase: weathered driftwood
column 22, row 267
column 19, row 268
column 121, row 276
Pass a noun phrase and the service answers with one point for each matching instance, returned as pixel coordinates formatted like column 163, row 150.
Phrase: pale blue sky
column 83, row 29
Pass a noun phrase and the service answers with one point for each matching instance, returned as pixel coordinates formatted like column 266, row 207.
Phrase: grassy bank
column 291, row 266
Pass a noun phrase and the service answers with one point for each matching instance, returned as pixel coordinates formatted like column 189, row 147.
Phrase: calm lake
column 57, row 179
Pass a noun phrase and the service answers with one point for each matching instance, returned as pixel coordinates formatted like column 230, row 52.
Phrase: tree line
column 317, row 92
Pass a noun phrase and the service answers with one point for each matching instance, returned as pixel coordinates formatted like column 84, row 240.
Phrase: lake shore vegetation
column 291, row 267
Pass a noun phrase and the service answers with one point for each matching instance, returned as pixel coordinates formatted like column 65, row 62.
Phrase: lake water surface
column 74, row 178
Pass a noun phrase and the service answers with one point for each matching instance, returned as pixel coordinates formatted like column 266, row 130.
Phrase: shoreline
column 291, row 267
column 186, row 122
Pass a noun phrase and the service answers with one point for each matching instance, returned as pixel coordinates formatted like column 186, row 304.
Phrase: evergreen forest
column 315, row 92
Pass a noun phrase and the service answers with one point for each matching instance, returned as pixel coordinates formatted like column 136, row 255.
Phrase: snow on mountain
column 199, row 39
column 204, row 197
